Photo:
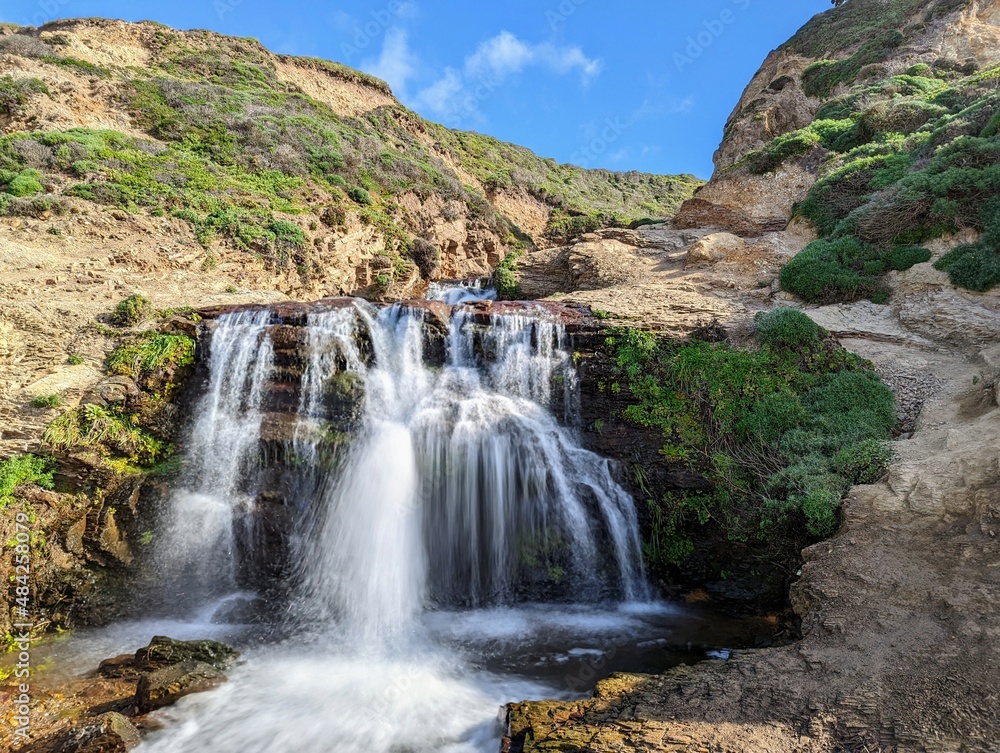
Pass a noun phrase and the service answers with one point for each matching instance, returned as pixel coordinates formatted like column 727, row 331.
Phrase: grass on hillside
column 239, row 155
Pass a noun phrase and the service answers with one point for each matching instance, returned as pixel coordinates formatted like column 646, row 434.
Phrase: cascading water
column 462, row 292
column 444, row 531
column 195, row 551
column 462, row 487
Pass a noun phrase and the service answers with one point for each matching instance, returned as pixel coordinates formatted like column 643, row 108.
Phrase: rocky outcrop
column 650, row 278
column 105, row 713
column 775, row 101
column 164, row 687
column 108, row 733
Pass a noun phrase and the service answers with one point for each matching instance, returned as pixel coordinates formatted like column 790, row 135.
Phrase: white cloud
column 442, row 96
column 457, row 93
column 396, row 64
column 566, row 59
column 499, row 56
column 505, row 54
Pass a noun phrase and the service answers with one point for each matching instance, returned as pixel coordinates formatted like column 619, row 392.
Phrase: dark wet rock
column 107, row 733
column 123, row 665
column 168, row 685
column 285, row 312
column 163, row 652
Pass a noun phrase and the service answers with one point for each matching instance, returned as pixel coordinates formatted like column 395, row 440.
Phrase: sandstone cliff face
column 775, row 101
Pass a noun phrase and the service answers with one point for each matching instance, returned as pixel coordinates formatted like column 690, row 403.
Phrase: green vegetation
column 47, row 401
column 74, row 360
column 239, row 154
column 99, row 427
column 820, row 79
column 15, row 93
column 581, row 200
column 856, row 22
column 907, row 159
column 151, row 351
column 781, row 431
column 786, row 328
column 132, row 311
column 23, row 469
column 505, row 278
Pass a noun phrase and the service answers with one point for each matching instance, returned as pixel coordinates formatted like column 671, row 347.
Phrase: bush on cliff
column 23, row 469
column 781, row 432
column 132, row 311
column 921, row 159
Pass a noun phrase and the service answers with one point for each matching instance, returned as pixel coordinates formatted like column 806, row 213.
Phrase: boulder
column 107, row 733
column 163, row 652
column 168, row 685
column 713, row 248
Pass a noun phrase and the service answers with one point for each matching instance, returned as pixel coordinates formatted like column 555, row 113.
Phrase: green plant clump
column 46, row 401
column 505, row 278
column 132, row 311
column 786, row 328
column 150, row 352
column 97, row 426
column 781, row 432
column 23, row 469
column 16, row 93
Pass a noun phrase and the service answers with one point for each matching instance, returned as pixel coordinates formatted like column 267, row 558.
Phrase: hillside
column 279, row 156
column 196, row 169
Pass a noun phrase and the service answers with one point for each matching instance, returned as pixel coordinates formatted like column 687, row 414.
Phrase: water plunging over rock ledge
column 411, row 456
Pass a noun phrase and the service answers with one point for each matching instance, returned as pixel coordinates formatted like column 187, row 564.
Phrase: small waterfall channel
column 400, row 498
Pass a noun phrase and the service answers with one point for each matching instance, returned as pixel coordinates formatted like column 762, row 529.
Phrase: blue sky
column 627, row 86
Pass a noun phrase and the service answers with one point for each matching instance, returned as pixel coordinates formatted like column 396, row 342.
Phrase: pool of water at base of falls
column 440, row 688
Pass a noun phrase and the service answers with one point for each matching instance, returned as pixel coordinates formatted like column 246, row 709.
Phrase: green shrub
column 359, row 195
column 772, row 416
column 786, row 328
column 973, row 266
column 151, row 352
column 864, row 463
column 780, row 149
column 74, row 360
column 26, row 183
column 505, row 279
column 853, row 405
column 23, row 469
column 827, row 271
column 132, row 311
column 46, row 401
column 902, row 258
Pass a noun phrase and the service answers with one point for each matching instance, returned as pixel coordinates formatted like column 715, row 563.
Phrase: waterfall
column 438, row 514
column 195, row 551
column 460, row 488
column 456, row 293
